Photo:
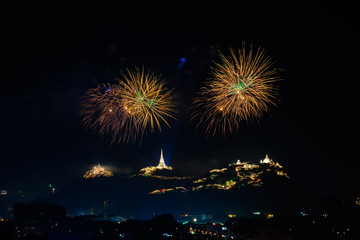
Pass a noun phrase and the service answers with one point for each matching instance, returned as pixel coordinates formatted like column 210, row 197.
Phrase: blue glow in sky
column 182, row 62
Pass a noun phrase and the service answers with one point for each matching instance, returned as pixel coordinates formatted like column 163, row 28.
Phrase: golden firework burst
column 138, row 103
column 145, row 97
column 241, row 87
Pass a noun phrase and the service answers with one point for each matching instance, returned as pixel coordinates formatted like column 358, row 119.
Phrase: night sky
column 51, row 55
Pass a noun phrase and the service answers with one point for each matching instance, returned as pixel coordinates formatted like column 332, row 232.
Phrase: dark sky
column 51, row 54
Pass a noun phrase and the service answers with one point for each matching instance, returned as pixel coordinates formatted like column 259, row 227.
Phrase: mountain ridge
column 238, row 187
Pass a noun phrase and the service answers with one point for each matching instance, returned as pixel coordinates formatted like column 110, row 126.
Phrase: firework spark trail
column 241, row 88
column 138, row 103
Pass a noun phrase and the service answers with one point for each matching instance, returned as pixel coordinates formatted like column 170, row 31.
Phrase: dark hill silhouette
column 129, row 196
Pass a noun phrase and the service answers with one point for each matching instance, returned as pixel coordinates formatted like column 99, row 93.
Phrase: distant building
column 245, row 165
column 108, row 203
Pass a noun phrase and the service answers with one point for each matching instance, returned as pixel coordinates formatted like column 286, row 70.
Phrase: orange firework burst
column 139, row 102
column 241, row 88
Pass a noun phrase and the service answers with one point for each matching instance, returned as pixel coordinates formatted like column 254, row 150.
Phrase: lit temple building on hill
column 246, row 174
column 161, row 166
column 235, row 175
column 98, row 171
column 266, row 160
column 248, row 165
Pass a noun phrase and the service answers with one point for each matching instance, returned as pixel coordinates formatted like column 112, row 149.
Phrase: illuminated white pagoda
column 149, row 170
column 161, row 164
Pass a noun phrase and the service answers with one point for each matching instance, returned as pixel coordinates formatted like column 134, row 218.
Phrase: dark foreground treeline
column 340, row 225
column 85, row 227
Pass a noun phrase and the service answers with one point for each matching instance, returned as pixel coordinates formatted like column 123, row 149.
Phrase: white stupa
column 266, row 160
column 147, row 171
column 161, row 164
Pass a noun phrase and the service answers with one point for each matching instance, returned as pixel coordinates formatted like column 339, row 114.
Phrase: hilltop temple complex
column 235, row 175
column 98, row 171
column 250, row 165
